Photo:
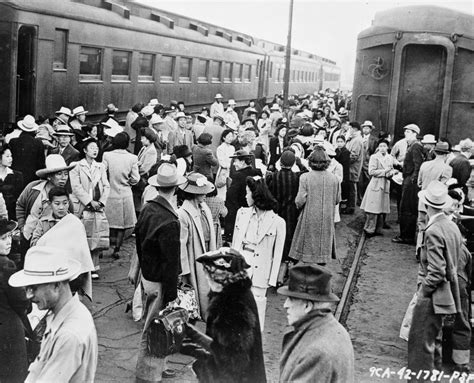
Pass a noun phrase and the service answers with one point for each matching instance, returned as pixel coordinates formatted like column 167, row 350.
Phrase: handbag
column 97, row 229
column 221, row 177
column 166, row 332
column 406, row 322
column 187, row 300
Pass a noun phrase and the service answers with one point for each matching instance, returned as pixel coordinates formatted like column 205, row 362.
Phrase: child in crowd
column 59, row 201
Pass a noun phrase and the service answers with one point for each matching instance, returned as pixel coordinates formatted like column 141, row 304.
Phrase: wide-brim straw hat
column 54, row 163
column 79, row 110
column 63, row 130
column 435, row 195
column 428, row 139
column 28, row 124
column 197, row 183
column 310, row 282
column 65, row 111
column 45, row 264
column 166, row 176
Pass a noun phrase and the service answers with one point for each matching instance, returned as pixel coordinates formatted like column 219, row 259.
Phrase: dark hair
column 137, row 107
column 121, row 140
column 57, row 191
column 149, row 134
column 341, row 138
column 205, row 139
column 87, row 128
column 355, row 125
column 454, row 194
column 266, row 112
column 384, row 135
column 318, row 159
column 158, row 109
column 280, row 127
column 383, row 141
column 184, row 195
column 225, row 133
column 323, row 165
column 85, row 143
column 3, row 149
column 262, row 197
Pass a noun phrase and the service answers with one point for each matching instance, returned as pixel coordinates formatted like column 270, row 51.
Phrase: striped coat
column 283, row 185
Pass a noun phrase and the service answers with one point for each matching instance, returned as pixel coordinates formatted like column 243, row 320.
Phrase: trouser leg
column 461, row 337
column 259, row 294
column 424, row 339
column 351, row 200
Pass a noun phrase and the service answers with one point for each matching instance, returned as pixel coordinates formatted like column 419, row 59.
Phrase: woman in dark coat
column 235, row 196
column 343, row 156
column 11, row 181
column 231, row 349
column 203, row 158
column 277, row 144
column 13, row 307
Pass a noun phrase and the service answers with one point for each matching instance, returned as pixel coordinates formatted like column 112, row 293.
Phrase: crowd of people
column 228, row 205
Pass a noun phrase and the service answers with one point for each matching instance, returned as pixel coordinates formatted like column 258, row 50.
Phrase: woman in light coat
column 123, row 174
column 224, row 151
column 197, row 235
column 376, row 201
column 90, row 191
column 259, row 235
column 318, row 195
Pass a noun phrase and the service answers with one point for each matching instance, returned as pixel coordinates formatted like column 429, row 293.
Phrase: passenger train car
column 95, row 52
column 416, row 65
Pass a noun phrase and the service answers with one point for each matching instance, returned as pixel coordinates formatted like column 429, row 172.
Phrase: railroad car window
column 216, row 68
column 60, row 49
column 293, row 75
column 185, row 69
column 121, row 65
column 203, row 71
column 238, row 72
column 227, row 72
column 146, row 66
column 270, row 71
column 167, row 68
column 90, row 63
column 259, row 65
column 247, row 73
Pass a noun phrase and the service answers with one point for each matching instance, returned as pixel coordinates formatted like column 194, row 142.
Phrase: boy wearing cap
column 319, row 349
column 438, row 286
column 69, row 347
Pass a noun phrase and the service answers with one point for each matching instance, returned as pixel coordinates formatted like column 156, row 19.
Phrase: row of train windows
column 297, row 75
column 170, row 67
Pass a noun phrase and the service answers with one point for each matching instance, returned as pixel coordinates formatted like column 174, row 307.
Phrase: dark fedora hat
column 241, row 154
column 7, row 226
column 441, row 147
column 309, row 282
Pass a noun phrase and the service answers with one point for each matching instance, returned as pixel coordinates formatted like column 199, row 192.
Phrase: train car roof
column 421, row 18
column 129, row 14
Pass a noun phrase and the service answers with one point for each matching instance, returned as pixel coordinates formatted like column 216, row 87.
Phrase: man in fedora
column 409, row 200
column 69, row 346
column 319, row 349
column 27, row 151
column 438, row 286
column 428, row 141
column 62, row 117
column 64, row 135
column 181, row 135
column 158, row 249
column 33, row 201
column 217, row 108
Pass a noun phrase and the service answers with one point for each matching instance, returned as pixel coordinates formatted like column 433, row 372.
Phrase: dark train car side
column 415, row 65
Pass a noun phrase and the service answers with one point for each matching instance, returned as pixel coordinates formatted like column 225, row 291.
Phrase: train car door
column 6, row 88
column 420, row 94
column 26, row 71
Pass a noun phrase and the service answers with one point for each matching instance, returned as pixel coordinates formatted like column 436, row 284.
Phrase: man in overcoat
column 158, row 250
column 438, row 286
column 319, row 349
column 409, row 201
column 355, row 145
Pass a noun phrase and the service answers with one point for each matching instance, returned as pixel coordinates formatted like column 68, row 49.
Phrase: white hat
column 218, row 95
column 428, row 139
column 54, row 163
column 79, row 110
column 231, row 102
column 436, row 195
column 366, row 123
column 166, row 176
column 275, row 107
column 112, row 127
column 180, row 115
column 147, row 111
column 413, row 128
column 28, row 124
column 153, row 102
column 45, row 264
column 111, row 108
column 64, row 110
column 155, row 119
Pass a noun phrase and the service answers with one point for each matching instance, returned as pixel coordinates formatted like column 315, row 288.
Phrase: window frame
column 146, row 78
column 86, row 77
column 203, row 79
column 186, row 79
column 216, row 79
column 121, row 77
column 168, row 79
column 238, row 72
column 228, row 79
column 64, row 50
column 247, row 67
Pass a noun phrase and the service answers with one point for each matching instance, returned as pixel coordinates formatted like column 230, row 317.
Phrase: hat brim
column 20, row 279
column 25, row 129
column 58, row 112
column 10, row 226
column 446, row 204
column 153, row 181
column 43, row 172
column 284, row 290
column 63, row 134
column 429, row 142
column 79, row 113
column 194, row 189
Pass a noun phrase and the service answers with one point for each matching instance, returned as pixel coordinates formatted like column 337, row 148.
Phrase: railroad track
column 343, row 305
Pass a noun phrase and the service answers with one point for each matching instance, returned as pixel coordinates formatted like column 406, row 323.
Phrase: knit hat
column 287, row 159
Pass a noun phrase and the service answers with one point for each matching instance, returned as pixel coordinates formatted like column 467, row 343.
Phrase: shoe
column 168, row 373
column 115, row 254
column 405, row 241
column 94, row 275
